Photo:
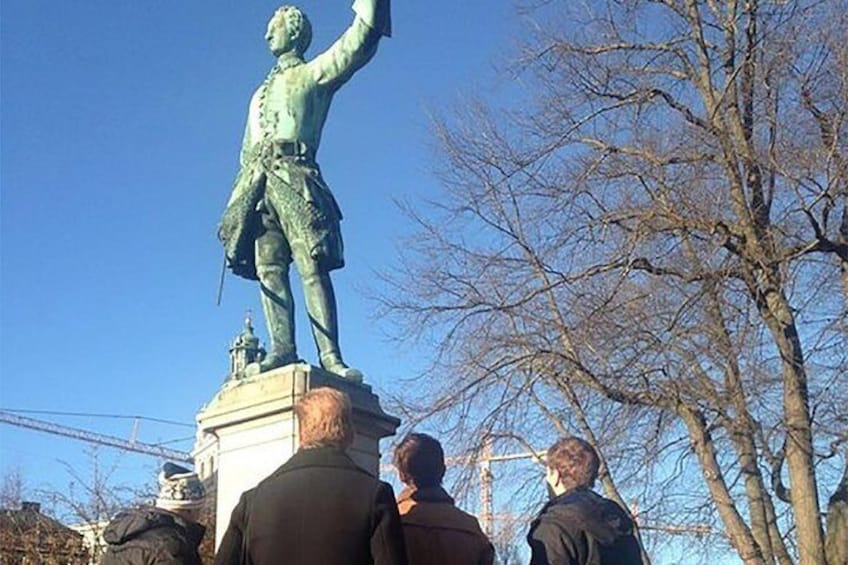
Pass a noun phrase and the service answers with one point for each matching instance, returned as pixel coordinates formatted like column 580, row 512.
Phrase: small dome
column 246, row 339
column 246, row 349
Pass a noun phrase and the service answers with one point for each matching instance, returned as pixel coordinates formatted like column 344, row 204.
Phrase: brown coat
column 439, row 533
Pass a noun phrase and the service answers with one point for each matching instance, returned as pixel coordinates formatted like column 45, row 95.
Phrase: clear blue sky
column 121, row 125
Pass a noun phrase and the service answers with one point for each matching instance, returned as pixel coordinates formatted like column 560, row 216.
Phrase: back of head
column 325, row 419
column 420, row 461
column 576, row 460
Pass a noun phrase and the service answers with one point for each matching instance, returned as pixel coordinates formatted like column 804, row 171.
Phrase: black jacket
column 583, row 528
column 317, row 508
column 151, row 536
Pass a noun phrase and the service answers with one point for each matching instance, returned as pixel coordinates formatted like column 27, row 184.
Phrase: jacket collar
column 567, row 497
column 286, row 61
column 434, row 508
column 194, row 530
column 132, row 523
column 320, row 457
column 428, row 494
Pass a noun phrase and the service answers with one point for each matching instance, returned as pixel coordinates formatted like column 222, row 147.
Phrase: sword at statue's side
column 221, row 282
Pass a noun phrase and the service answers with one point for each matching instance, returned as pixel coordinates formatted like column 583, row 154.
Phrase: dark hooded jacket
column 151, row 536
column 580, row 527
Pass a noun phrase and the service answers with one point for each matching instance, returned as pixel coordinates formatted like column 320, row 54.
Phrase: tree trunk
column 799, row 444
column 737, row 530
column 836, row 544
column 742, row 435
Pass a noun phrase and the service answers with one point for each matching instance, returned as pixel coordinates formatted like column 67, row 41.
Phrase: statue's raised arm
column 356, row 46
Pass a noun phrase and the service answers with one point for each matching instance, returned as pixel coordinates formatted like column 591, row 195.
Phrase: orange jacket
column 439, row 533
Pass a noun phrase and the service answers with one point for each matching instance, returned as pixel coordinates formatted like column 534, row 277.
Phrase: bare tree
column 92, row 496
column 650, row 248
column 12, row 488
column 27, row 535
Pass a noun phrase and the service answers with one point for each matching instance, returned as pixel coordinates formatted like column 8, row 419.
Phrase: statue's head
column 289, row 30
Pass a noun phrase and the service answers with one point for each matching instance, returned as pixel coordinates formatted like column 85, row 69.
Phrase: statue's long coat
column 291, row 107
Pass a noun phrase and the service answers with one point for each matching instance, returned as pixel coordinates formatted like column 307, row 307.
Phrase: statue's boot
column 278, row 306
column 321, row 305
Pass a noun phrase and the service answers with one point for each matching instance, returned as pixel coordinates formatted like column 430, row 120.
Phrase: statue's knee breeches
column 310, row 272
column 273, row 254
column 307, row 267
column 273, row 279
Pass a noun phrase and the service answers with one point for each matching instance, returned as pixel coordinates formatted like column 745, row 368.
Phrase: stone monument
column 248, row 429
column 281, row 211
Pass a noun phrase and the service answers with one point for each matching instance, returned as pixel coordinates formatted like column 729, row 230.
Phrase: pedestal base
column 248, row 430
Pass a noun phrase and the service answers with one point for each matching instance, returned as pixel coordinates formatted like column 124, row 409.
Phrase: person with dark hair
column 318, row 507
column 165, row 534
column 578, row 526
column 436, row 531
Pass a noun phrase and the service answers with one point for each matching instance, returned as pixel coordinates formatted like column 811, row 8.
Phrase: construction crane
column 92, row 437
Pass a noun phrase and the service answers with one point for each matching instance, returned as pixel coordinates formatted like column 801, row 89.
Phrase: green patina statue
column 281, row 209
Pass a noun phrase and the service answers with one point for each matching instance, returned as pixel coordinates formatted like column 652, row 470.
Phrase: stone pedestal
column 248, row 429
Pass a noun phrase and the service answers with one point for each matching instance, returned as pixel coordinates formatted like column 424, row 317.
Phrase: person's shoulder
column 441, row 515
column 248, row 495
column 135, row 522
column 566, row 512
column 246, row 500
column 303, row 74
column 465, row 521
column 591, row 514
column 381, row 490
column 592, row 504
column 161, row 543
column 334, row 464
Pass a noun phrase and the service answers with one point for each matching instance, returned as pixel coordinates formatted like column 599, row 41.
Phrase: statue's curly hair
column 297, row 25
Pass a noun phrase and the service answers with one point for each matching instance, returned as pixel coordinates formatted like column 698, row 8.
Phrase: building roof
column 30, row 527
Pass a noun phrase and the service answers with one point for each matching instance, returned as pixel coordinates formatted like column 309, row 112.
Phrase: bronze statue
column 280, row 209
